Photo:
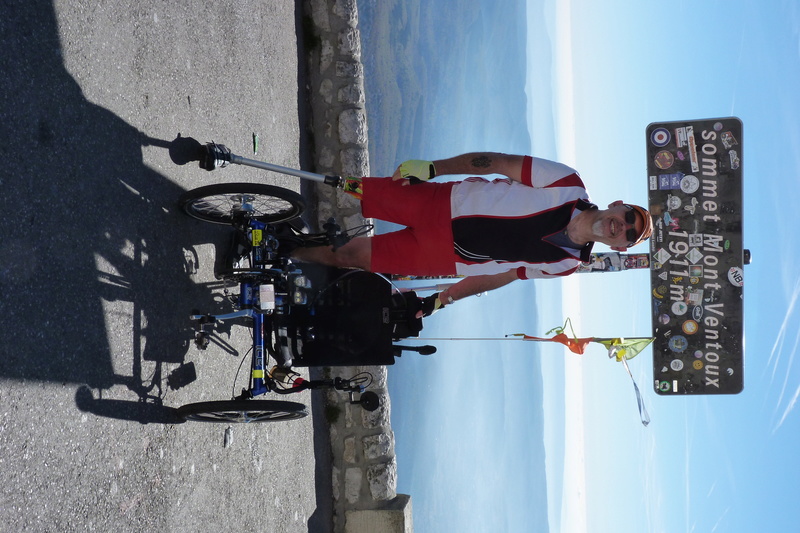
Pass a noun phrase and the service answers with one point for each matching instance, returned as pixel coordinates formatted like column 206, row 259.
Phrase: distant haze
column 443, row 78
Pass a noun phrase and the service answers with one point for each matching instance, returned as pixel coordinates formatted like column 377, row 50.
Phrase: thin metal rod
column 468, row 339
column 438, row 287
column 239, row 160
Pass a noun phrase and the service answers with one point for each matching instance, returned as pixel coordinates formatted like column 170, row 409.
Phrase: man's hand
column 415, row 171
column 430, row 304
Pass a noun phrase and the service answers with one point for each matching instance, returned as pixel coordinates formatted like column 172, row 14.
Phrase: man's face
column 618, row 226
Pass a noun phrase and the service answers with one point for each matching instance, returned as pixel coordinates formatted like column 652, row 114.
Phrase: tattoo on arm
column 481, row 161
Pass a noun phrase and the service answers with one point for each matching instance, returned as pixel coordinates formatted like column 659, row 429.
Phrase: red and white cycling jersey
column 501, row 225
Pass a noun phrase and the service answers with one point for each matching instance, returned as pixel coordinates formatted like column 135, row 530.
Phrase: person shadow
column 96, row 262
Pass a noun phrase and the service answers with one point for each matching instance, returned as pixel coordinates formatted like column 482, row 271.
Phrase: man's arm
column 472, row 285
column 468, row 286
column 478, row 164
column 482, row 163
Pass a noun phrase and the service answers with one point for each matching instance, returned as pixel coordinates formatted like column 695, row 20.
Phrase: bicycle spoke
column 224, row 203
column 243, row 412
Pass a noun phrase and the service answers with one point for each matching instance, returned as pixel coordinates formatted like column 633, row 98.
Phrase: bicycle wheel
column 242, row 411
column 223, row 203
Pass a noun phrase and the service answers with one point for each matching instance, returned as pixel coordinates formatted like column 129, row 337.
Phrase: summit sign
column 697, row 256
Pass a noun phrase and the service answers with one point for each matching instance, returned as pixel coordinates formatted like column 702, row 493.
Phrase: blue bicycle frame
column 259, row 301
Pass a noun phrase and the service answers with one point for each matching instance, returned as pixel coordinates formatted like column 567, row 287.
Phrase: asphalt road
column 99, row 271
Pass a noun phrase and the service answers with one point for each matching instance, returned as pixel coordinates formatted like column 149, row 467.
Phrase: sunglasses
column 630, row 218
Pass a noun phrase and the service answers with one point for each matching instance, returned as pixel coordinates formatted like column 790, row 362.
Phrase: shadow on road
column 87, row 228
column 95, row 259
column 96, row 262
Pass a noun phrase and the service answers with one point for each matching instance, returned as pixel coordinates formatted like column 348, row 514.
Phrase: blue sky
column 705, row 463
column 597, row 75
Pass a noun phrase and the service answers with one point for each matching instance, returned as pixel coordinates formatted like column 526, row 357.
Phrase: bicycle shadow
column 94, row 261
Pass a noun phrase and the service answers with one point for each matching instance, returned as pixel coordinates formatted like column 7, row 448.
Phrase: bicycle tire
column 223, row 203
column 242, row 411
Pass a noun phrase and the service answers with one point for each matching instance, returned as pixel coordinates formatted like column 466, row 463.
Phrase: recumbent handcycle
column 300, row 314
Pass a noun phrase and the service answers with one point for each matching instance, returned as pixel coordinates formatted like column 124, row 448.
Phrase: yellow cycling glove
column 416, row 170
column 431, row 304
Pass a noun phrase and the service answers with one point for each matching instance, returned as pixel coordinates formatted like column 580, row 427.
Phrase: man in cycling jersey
column 537, row 222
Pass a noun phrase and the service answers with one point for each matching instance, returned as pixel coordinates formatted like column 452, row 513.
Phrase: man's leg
column 425, row 208
column 355, row 254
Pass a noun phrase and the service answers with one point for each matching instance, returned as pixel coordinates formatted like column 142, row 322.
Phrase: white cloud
column 573, row 501
column 776, row 353
column 564, row 101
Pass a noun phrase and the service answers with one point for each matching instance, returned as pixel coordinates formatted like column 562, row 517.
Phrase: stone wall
column 364, row 466
column 338, row 113
column 362, row 442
